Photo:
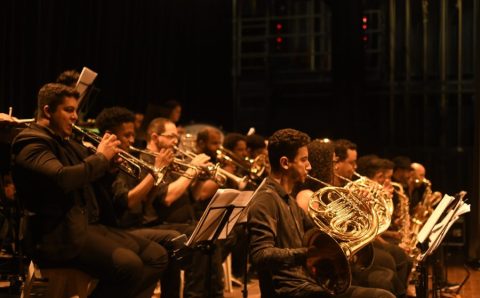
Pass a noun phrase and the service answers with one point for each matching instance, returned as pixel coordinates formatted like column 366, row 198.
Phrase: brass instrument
column 255, row 168
column 211, row 171
column 130, row 164
column 346, row 225
column 178, row 166
column 379, row 199
column 403, row 212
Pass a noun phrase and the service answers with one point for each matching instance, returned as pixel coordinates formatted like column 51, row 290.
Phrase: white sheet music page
column 432, row 220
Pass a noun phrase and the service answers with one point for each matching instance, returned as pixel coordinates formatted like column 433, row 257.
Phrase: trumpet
column 215, row 172
column 178, row 165
column 130, row 164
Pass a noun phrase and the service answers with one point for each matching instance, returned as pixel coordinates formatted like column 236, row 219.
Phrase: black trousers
column 126, row 265
column 198, row 282
column 170, row 282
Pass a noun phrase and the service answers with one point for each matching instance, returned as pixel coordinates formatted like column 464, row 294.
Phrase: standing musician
column 277, row 225
column 58, row 182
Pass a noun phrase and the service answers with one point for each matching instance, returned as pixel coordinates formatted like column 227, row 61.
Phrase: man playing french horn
column 277, row 226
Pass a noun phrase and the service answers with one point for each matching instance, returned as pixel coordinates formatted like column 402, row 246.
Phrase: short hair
column 255, row 142
column 111, row 118
column 172, row 104
column 157, row 126
column 320, row 155
column 68, row 77
column 341, row 148
column 204, row 134
column 369, row 165
column 52, row 95
column 231, row 140
column 402, row 162
column 285, row 142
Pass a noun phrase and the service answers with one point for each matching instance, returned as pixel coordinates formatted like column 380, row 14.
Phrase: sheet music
column 86, row 78
column 211, row 218
column 452, row 208
column 432, row 220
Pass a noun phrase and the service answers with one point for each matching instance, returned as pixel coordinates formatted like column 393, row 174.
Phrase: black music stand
column 216, row 222
column 433, row 232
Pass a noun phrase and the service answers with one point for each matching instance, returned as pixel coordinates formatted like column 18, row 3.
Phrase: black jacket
column 54, row 180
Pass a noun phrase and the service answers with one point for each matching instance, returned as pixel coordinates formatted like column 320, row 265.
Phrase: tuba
column 346, row 225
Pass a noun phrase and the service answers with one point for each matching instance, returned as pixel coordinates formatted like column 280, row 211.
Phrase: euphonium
column 130, row 164
column 347, row 225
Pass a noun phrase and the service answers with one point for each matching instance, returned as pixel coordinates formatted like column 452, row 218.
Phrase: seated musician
column 156, row 210
column 129, row 193
column 322, row 159
column 277, row 225
column 58, row 182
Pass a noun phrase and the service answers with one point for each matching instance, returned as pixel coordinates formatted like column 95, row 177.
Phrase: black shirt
column 277, row 226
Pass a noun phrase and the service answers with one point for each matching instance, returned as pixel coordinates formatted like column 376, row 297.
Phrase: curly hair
column 285, row 142
column 231, row 140
column 68, row 77
column 320, row 155
column 111, row 118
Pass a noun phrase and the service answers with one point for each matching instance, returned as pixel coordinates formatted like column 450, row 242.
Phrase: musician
column 208, row 141
column 277, row 224
column 381, row 171
column 171, row 207
column 382, row 273
column 58, row 182
column 346, row 152
column 416, row 185
column 130, row 194
column 256, row 145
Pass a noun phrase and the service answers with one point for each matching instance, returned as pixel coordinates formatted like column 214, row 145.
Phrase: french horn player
column 278, row 226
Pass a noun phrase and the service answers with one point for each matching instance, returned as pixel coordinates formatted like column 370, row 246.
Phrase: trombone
column 130, row 164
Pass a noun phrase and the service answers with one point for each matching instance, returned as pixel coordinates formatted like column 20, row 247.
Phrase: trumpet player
column 277, row 225
column 59, row 184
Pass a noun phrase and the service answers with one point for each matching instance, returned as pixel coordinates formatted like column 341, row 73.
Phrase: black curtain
column 145, row 52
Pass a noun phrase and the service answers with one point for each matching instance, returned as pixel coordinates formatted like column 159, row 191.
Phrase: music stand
column 216, row 222
column 434, row 231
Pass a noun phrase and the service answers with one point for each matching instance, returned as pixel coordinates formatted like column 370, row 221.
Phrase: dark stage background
column 149, row 51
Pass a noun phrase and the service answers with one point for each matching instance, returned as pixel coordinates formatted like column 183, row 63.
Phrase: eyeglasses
column 169, row 135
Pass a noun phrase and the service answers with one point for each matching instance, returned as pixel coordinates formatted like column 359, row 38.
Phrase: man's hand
column 201, row 160
column 163, row 158
column 109, row 146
